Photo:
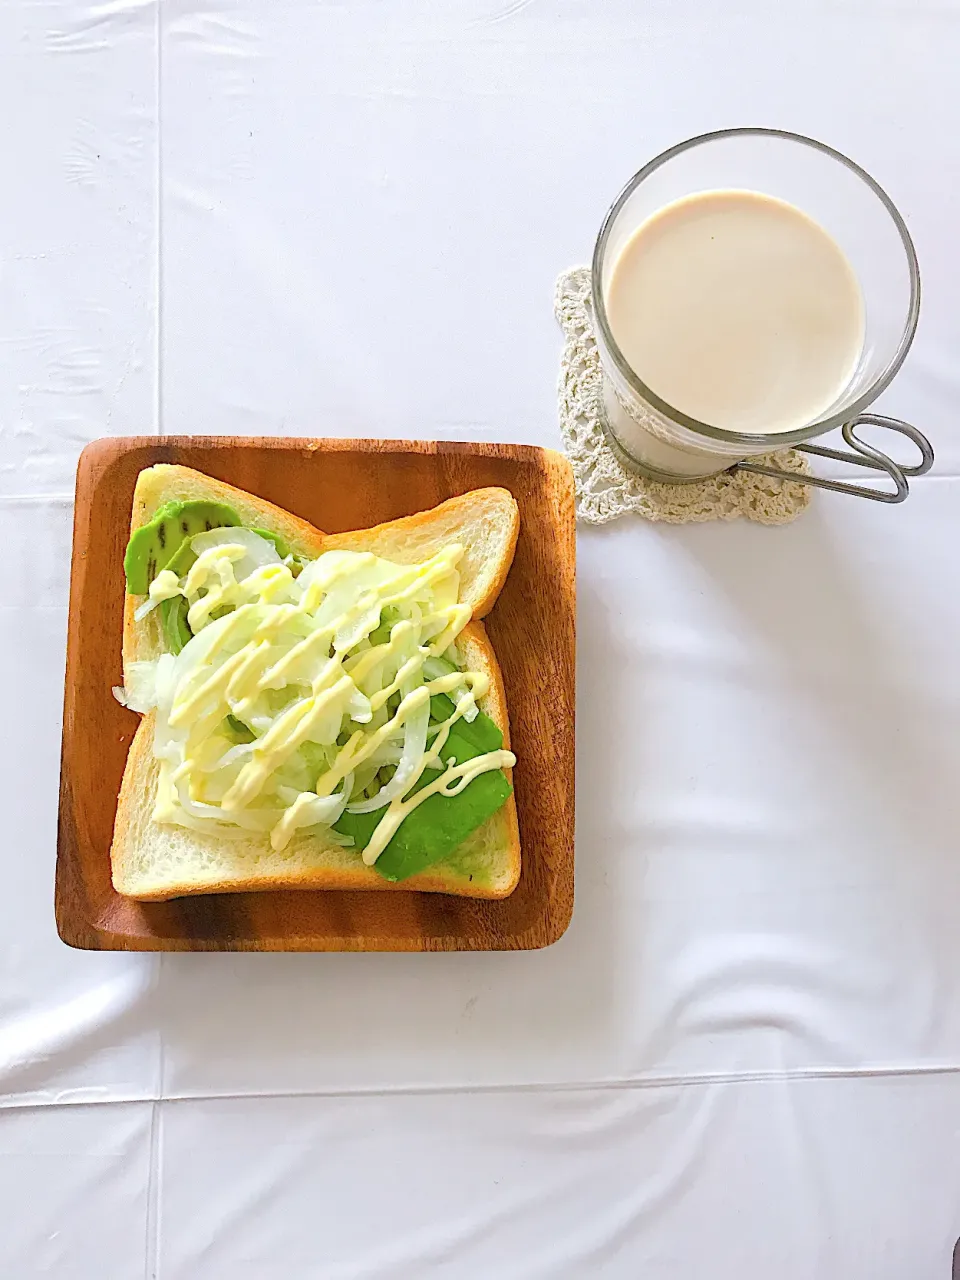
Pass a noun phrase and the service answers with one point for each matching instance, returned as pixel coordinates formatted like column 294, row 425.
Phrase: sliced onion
column 230, row 757
column 140, row 691
column 142, row 610
column 260, row 820
column 414, row 745
column 195, row 652
column 437, row 668
column 206, row 826
column 166, row 679
column 342, row 796
column 322, row 569
column 197, row 808
column 216, row 785
column 471, row 710
column 326, row 728
column 358, row 708
column 166, row 745
column 257, row 551
column 311, row 810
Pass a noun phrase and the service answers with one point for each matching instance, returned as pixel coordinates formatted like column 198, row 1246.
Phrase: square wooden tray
column 337, row 485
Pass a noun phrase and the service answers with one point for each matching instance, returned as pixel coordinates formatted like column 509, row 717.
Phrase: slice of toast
column 153, row 861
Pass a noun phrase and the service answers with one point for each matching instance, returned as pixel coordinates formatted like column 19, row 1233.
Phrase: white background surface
column 742, row 1060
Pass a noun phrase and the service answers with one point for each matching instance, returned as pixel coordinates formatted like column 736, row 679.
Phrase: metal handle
column 864, row 455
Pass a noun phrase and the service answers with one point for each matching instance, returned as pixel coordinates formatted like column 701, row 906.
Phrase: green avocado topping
column 153, row 546
column 435, row 828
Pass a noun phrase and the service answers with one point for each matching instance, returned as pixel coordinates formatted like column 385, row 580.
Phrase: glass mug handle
column 865, row 455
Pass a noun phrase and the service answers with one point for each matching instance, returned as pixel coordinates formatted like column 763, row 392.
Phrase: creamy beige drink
column 737, row 309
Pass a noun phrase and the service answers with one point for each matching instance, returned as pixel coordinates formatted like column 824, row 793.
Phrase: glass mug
column 661, row 442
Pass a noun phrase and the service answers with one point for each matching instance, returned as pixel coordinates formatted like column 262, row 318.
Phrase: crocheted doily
column 604, row 488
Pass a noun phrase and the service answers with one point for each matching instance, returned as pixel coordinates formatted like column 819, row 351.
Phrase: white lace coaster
column 604, row 489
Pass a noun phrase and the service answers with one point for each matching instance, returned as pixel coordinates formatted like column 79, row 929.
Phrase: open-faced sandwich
column 319, row 711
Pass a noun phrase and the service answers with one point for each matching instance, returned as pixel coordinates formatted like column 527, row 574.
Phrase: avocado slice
column 173, row 620
column 153, row 546
column 440, row 824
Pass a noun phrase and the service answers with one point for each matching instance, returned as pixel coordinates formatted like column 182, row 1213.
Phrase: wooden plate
column 337, row 485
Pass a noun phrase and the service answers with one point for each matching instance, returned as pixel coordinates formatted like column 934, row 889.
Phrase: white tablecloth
column 742, row 1059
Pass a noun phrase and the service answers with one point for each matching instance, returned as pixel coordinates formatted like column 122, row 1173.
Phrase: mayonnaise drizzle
column 291, row 659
